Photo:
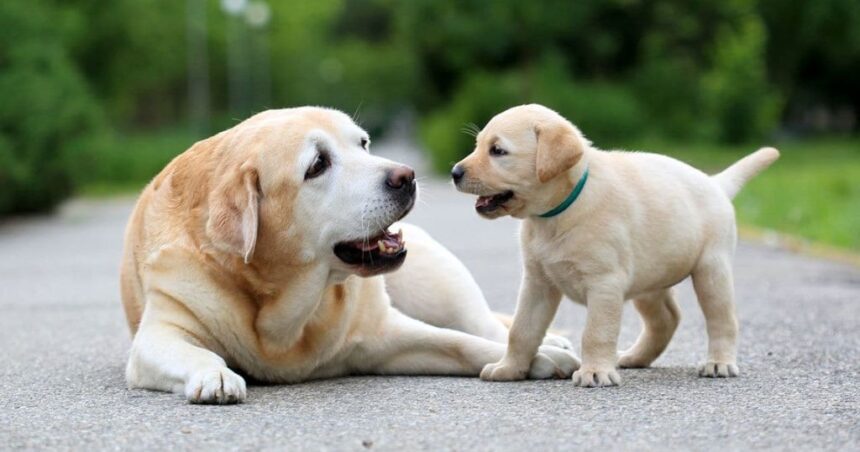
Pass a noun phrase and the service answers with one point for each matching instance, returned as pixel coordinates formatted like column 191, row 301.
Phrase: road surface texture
column 63, row 343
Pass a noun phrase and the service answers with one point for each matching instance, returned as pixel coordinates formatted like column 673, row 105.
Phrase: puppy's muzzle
column 457, row 174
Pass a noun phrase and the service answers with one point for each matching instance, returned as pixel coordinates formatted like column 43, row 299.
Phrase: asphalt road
column 63, row 344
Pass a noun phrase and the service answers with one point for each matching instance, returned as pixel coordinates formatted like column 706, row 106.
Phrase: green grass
column 812, row 191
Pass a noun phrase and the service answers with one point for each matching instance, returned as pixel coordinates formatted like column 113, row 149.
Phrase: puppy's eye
column 364, row 143
column 320, row 164
column 497, row 151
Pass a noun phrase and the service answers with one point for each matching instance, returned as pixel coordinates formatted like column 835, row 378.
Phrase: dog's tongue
column 391, row 242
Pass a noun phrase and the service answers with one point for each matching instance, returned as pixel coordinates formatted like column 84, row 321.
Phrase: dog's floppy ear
column 234, row 212
column 559, row 147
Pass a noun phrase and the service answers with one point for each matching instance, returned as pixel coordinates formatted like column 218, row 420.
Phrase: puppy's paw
column 218, row 386
column 631, row 360
column 591, row 377
column 714, row 369
column 503, row 371
column 557, row 341
column 553, row 362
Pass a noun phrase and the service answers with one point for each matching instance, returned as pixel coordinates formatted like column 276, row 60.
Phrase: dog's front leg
column 167, row 356
column 600, row 339
column 536, row 307
column 408, row 346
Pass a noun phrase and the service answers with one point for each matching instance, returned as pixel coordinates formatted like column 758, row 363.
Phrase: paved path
column 63, row 343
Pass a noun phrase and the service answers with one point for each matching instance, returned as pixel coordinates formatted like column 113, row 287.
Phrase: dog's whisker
column 356, row 115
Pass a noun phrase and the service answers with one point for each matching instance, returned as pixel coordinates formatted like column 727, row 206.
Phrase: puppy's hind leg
column 660, row 317
column 712, row 280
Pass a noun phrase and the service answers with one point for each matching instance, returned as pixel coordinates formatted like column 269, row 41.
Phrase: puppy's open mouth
column 487, row 204
column 382, row 252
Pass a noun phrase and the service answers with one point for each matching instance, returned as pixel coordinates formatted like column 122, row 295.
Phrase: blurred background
column 96, row 97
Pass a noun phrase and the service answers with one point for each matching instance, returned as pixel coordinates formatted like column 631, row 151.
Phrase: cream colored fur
column 229, row 270
column 643, row 223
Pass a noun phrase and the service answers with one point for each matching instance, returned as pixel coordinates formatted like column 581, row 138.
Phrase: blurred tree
column 48, row 118
column 813, row 54
column 711, row 70
column 133, row 54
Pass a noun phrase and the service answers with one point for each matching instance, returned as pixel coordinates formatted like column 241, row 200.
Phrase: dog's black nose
column 402, row 177
column 457, row 173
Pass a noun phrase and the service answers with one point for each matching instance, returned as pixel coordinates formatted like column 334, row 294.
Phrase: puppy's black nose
column 457, row 173
column 402, row 177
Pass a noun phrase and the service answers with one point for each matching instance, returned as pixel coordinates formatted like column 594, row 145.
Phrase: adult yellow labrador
column 604, row 227
column 261, row 250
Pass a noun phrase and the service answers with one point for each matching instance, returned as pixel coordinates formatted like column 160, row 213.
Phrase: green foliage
column 603, row 111
column 48, row 119
column 736, row 92
column 813, row 53
column 676, row 69
column 724, row 71
column 129, row 161
column 481, row 96
column 607, row 113
column 132, row 52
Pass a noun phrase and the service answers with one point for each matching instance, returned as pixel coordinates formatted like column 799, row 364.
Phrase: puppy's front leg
column 536, row 307
column 167, row 356
column 409, row 346
column 600, row 339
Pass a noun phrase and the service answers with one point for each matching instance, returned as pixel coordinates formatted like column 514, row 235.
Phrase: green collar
column 570, row 198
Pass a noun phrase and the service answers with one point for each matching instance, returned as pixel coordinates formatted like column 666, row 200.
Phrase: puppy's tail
column 733, row 178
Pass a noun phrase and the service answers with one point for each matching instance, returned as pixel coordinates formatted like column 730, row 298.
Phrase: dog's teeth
column 381, row 245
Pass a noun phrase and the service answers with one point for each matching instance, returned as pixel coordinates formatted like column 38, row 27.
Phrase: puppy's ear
column 234, row 212
column 559, row 147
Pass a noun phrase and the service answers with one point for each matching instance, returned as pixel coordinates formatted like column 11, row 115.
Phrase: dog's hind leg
column 435, row 287
column 660, row 317
column 405, row 346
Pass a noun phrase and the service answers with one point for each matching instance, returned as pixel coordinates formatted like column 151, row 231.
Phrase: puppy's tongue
column 483, row 201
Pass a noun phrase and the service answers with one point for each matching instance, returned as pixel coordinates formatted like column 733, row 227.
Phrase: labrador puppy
column 604, row 227
column 261, row 250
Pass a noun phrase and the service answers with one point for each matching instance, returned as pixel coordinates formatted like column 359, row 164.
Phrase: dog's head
column 299, row 187
column 517, row 154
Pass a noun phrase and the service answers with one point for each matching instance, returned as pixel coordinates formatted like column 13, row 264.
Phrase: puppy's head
column 299, row 187
column 517, row 154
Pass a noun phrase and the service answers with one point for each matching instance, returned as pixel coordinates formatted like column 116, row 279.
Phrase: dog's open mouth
column 487, row 204
column 382, row 252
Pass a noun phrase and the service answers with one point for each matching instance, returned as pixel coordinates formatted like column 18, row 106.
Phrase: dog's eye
column 320, row 164
column 497, row 151
column 364, row 143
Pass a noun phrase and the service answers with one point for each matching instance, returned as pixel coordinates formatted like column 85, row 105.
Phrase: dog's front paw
column 503, row 371
column 218, row 386
column 714, row 369
column 591, row 377
column 553, row 362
